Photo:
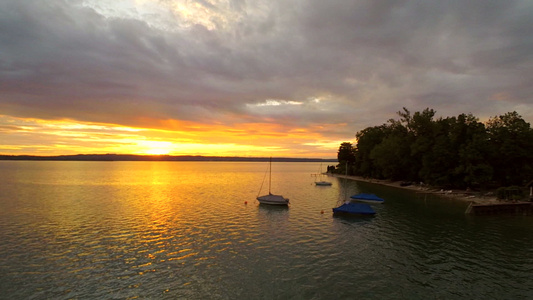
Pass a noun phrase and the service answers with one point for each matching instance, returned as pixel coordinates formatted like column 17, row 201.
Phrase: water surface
column 182, row 230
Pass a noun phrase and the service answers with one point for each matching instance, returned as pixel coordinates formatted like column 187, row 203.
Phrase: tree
column 440, row 158
column 420, row 127
column 469, row 138
column 367, row 140
column 511, row 139
column 346, row 155
column 454, row 152
column 389, row 158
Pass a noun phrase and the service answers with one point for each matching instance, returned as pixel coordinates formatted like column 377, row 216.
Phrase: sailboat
column 272, row 199
column 321, row 182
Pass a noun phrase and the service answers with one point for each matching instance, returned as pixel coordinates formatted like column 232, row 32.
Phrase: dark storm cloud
column 365, row 60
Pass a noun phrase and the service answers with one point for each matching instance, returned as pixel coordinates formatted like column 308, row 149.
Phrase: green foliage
column 510, row 193
column 511, row 141
column 346, row 153
column 346, row 157
column 450, row 152
column 367, row 140
column 388, row 157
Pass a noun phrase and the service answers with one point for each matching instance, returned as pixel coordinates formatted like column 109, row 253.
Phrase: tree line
column 451, row 152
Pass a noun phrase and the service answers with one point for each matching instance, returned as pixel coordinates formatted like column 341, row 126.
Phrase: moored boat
column 354, row 209
column 368, row 198
column 271, row 199
column 323, row 183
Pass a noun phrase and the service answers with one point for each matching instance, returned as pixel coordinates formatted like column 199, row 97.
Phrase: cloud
column 220, row 62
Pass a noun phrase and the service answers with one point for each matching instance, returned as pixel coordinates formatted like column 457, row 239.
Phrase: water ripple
column 184, row 232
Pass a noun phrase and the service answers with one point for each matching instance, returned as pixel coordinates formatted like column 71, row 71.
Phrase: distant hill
column 132, row 157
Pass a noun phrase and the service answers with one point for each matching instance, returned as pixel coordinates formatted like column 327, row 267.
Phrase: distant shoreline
column 461, row 195
column 134, row 157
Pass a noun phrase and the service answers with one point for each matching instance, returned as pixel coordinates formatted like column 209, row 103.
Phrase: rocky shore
column 462, row 195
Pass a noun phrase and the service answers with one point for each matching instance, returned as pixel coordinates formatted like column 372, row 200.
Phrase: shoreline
column 465, row 196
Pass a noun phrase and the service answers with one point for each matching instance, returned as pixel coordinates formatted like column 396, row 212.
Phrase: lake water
column 182, row 230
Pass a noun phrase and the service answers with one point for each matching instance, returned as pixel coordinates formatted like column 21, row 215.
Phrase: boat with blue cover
column 356, row 209
column 368, row 198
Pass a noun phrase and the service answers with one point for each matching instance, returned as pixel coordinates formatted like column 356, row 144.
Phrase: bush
column 510, row 193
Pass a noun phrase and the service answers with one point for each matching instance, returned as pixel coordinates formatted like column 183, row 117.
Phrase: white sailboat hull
column 323, row 183
column 273, row 200
column 270, row 198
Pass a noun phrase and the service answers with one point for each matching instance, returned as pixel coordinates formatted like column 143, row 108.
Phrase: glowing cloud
column 235, row 77
column 181, row 138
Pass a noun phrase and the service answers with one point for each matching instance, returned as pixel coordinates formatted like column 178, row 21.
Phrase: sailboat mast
column 346, row 180
column 270, row 175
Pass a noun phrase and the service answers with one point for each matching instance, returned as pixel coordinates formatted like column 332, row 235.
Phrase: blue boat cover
column 364, row 196
column 355, row 208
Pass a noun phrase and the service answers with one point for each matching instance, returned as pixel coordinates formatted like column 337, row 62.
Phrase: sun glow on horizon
column 31, row 136
column 155, row 147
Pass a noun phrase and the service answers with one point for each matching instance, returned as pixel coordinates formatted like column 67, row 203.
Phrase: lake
column 193, row 230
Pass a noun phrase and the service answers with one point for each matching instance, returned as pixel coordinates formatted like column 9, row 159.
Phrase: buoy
column 245, row 202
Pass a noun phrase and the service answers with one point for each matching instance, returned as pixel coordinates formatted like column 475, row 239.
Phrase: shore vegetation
column 447, row 153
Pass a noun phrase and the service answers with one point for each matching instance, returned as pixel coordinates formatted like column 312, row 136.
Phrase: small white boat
column 321, row 182
column 271, row 199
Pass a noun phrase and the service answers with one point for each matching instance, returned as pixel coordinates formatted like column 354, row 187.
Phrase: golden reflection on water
column 143, row 229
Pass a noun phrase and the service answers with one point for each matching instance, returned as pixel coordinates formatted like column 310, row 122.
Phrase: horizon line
column 154, row 157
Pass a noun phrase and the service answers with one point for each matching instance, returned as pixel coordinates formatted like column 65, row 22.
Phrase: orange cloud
column 173, row 137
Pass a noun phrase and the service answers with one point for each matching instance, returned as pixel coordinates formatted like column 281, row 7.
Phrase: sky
column 283, row 78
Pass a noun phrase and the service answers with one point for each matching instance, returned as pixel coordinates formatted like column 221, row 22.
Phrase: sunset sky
column 287, row 78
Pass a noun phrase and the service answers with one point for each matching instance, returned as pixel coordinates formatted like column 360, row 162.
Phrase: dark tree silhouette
column 449, row 152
